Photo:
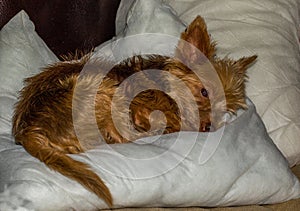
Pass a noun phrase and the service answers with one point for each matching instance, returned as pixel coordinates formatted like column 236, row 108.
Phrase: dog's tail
column 55, row 158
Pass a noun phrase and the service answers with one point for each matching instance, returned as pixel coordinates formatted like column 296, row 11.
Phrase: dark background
column 66, row 25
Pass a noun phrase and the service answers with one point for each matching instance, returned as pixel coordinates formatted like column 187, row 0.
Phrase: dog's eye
column 204, row 92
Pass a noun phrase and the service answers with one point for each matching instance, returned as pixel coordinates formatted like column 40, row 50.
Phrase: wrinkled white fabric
column 269, row 29
column 22, row 54
column 246, row 167
column 242, row 28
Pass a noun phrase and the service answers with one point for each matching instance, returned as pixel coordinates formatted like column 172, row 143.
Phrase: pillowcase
column 148, row 16
column 146, row 22
column 268, row 29
column 22, row 54
column 165, row 171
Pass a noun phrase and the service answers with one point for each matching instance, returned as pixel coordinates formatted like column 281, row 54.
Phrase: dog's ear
column 196, row 34
column 242, row 64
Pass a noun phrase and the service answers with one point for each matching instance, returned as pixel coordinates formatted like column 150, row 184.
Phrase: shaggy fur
column 57, row 102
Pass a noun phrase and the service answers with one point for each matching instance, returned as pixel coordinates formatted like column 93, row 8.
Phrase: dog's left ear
column 242, row 64
column 196, row 34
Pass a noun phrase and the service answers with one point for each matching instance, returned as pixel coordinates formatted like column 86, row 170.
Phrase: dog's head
column 218, row 85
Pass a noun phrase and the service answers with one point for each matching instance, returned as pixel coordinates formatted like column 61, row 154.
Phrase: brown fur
column 57, row 97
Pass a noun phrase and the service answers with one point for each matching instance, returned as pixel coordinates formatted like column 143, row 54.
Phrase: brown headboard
column 66, row 25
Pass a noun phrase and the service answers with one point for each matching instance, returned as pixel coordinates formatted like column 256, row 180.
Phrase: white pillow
column 22, row 54
column 151, row 17
column 246, row 167
column 146, row 22
column 269, row 29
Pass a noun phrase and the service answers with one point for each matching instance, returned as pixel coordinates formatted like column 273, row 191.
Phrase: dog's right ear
column 195, row 34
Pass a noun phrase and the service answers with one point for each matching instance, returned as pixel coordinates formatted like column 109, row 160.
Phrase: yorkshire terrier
column 54, row 101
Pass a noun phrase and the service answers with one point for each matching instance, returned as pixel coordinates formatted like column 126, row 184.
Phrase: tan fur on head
column 57, row 101
column 233, row 76
column 196, row 34
column 226, row 92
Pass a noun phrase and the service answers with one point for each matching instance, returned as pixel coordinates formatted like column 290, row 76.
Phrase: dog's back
column 43, row 124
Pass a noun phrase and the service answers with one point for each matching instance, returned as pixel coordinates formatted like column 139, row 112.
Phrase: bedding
column 269, row 29
column 246, row 168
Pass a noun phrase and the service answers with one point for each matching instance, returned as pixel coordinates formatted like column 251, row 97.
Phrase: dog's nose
column 207, row 127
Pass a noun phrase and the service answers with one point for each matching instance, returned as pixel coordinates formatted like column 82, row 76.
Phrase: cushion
column 140, row 28
column 268, row 29
column 244, row 166
column 22, row 54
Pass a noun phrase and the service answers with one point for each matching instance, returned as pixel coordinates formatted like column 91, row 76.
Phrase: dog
column 55, row 106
